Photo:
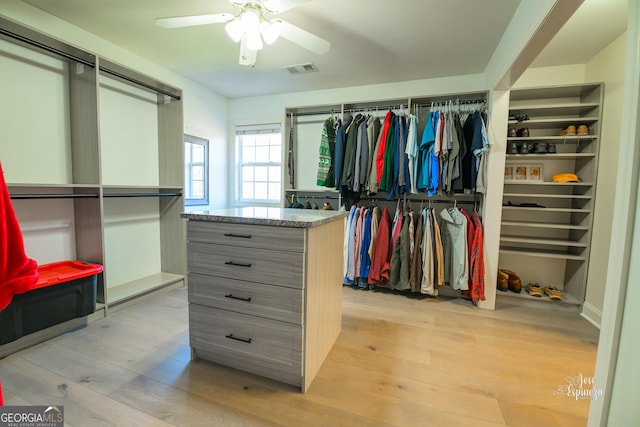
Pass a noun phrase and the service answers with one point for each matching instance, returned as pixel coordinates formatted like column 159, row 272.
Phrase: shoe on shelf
column 503, row 281
column 514, row 282
column 551, row 148
column 524, row 148
column 512, row 133
column 540, row 148
column 524, row 132
column 569, row 131
column 534, row 289
column 553, row 292
column 513, row 148
column 583, row 130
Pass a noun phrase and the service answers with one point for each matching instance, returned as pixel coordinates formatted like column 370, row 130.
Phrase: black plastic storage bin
column 66, row 290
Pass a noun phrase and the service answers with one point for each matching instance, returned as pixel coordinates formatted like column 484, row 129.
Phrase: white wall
column 608, row 67
column 205, row 114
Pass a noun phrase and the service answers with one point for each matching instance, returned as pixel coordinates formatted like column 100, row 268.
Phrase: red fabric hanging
column 18, row 274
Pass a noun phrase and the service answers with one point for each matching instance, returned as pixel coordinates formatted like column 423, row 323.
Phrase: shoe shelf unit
column 93, row 158
column 546, row 226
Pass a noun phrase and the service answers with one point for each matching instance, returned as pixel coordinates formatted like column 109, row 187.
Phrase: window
column 196, row 171
column 259, row 151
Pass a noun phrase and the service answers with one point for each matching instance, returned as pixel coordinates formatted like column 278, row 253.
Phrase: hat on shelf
column 565, row 177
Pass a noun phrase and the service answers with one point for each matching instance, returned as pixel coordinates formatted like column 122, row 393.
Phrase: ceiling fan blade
column 189, row 21
column 302, row 38
column 279, row 6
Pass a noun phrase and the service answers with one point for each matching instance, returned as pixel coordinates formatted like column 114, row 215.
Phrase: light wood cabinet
column 546, row 226
column 265, row 298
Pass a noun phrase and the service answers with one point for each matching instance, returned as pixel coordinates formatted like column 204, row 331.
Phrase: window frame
column 256, row 129
column 204, row 201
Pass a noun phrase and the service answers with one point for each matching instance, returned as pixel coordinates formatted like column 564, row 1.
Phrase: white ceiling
column 372, row 41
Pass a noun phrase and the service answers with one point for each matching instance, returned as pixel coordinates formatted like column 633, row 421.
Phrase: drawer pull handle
column 248, row 299
column 244, row 236
column 230, row 336
column 238, row 264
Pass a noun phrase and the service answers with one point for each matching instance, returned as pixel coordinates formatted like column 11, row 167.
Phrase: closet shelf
column 544, row 225
column 557, row 156
column 557, row 138
column 541, row 253
column 559, row 122
column 141, row 286
column 542, row 109
column 54, row 196
column 531, row 209
column 554, row 184
column 567, row 299
column 548, row 196
column 539, row 241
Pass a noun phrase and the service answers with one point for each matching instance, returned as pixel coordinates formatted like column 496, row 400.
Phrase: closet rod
column 140, row 83
column 53, row 196
column 456, row 101
column 144, row 195
column 48, row 48
column 313, row 113
column 428, row 199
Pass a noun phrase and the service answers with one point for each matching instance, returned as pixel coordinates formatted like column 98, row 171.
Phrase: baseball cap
column 565, row 177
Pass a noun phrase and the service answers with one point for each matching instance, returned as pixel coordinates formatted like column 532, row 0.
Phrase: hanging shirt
column 438, row 251
column 415, row 277
column 427, row 284
column 365, row 260
column 341, row 136
column 345, row 247
column 327, row 147
column 412, row 152
column 454, row 245
column 382, row 147
column 373, row 130
column 377, row 274
column 426, row 144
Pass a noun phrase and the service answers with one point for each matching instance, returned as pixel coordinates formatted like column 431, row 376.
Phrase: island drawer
column 257, row 299
column 253, row 265
column 247, row 236
column 264, row 347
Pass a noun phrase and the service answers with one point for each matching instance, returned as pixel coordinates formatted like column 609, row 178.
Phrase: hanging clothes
column 365, row 259
column 401, row 258
column 379, row 273
column 415, row 278
column 326, row 174
column 454, row 246
column 341, row 136
column 427, row 285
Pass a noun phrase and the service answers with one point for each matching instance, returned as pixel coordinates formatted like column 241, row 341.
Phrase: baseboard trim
column 592, row 314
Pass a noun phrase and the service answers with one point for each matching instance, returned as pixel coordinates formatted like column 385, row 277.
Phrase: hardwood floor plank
column 82, row 406
column 399, row 361
column 181, row 408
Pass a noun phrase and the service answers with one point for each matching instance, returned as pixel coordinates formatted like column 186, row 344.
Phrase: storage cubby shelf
column 556, row 156
column 547, row 196
column 125, row 291
column 543, row 210
column 550, row 242
column 560, row 122
column 542, row 253
column 567, row 299
column 544, row 225
column 547, row 109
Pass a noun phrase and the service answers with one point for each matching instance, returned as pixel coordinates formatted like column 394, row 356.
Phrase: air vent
column 302, row 68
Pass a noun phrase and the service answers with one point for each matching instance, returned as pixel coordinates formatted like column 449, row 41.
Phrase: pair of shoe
column 513, row 132
column 536, row 290
column 509, row 281
column 571, row 130
column 536, row 148
column 518, row 117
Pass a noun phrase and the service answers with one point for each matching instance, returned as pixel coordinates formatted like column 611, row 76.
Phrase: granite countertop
column 283, row 217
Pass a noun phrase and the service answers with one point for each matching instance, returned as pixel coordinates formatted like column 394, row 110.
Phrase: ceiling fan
column 251, row 26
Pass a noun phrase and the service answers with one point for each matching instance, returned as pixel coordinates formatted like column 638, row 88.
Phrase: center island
column 265, row 289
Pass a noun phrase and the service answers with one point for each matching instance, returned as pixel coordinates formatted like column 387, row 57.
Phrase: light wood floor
column 399, row 361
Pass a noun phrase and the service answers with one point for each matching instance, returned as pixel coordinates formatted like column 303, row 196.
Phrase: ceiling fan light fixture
column 235, row 30
column 254, row 41
column 270, row 31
